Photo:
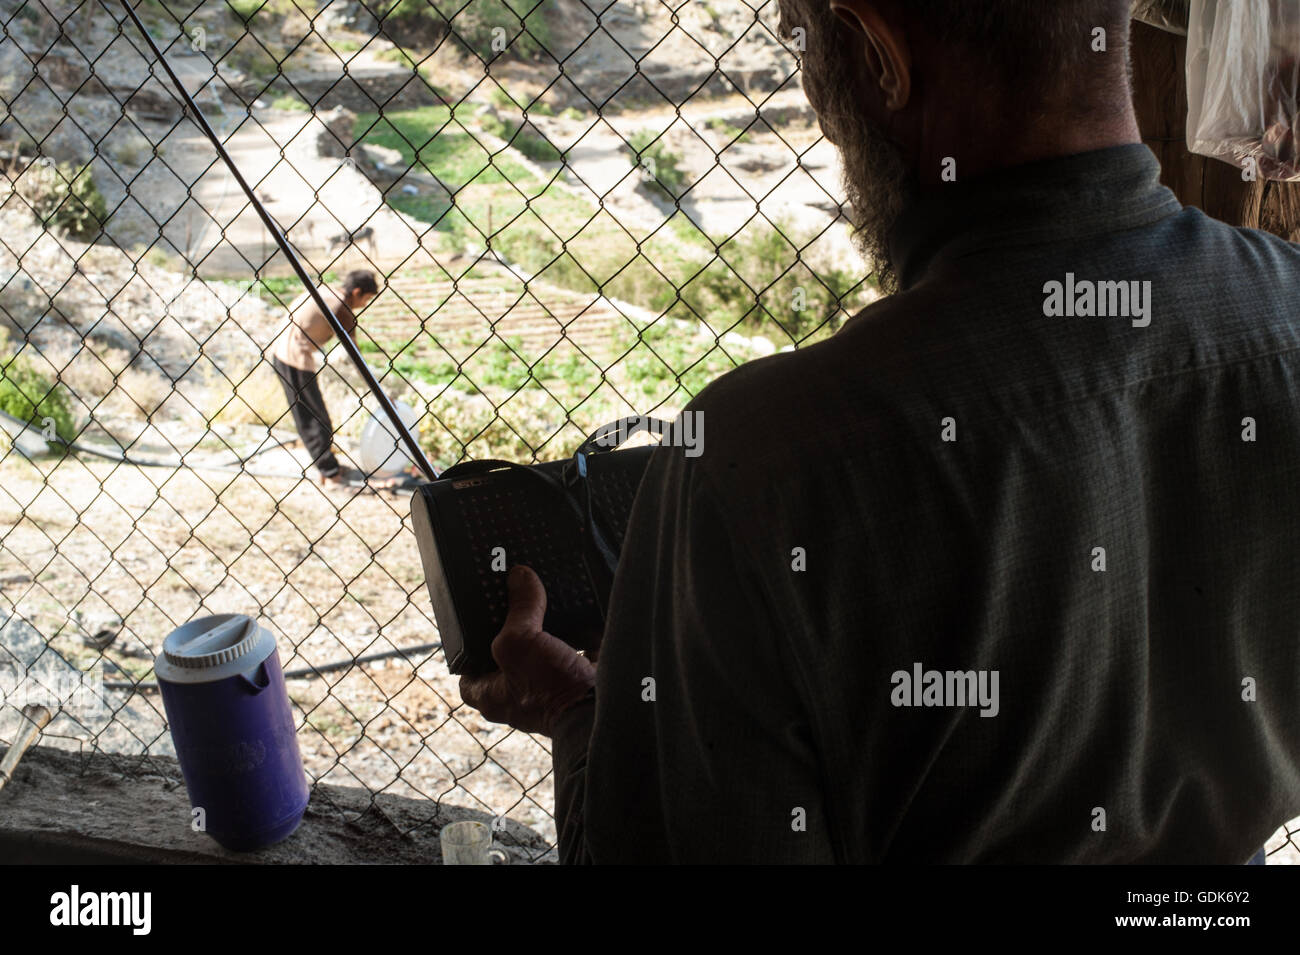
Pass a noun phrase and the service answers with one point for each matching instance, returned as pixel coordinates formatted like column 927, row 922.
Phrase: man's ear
column 884, row 46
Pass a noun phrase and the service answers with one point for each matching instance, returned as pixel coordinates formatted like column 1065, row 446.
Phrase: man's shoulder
column 1225, row 254
column 804, row 401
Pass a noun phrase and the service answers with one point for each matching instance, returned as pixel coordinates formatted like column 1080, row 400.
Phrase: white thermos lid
column 213, row 648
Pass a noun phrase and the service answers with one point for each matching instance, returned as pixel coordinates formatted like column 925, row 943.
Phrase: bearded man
column 987, row 576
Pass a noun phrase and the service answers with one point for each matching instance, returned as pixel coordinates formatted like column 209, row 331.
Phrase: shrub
column 31, row 396
column 661, row 164
column 65, row 199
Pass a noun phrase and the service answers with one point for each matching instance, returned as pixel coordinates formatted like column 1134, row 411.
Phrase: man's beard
column 877, row 181
column 878, row 185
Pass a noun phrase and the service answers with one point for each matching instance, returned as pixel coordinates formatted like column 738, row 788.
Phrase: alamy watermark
column 75, row 907
column 685, row 431
column 73, row 691
column 1082, row 298
column 922, row 687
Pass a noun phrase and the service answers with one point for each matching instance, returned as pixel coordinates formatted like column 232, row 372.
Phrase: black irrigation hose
column 300, row 673
column 236, row 465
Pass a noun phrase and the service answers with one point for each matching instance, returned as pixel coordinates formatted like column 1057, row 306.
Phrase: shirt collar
column 1070, row 197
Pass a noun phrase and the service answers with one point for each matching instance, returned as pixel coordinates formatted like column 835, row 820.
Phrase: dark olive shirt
column 976, row 476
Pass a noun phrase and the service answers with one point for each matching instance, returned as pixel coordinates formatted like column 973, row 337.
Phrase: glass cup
column 470, row 843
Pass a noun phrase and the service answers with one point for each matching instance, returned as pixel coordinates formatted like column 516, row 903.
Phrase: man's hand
column 540, row 676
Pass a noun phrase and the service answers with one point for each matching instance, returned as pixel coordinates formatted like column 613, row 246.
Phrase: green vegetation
column 290, row 102
column 431, row 371
column 755, row 279
column 424, row 208
column 398, row 55
column 759, row 280
column 661, row 165
column 31, row 395
column 285, row 288
column 245, row 10
column 526, row 139
column 725, row 129
column 496, row 397
column 65, row 199
column 444, row 148
column 261, row 60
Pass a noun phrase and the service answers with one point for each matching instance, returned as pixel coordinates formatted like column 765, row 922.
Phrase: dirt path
column 793, row 177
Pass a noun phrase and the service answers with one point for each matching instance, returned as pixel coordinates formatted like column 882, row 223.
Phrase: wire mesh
column 576, row 211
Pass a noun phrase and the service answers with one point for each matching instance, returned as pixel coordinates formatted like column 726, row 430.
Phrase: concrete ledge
column 62, row 808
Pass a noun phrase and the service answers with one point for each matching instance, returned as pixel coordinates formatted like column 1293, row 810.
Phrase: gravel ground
column 92, row 542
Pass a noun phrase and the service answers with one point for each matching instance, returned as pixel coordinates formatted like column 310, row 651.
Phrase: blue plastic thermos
column 230, row 719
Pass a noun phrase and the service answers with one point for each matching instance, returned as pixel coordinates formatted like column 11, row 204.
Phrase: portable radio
column 564, row 519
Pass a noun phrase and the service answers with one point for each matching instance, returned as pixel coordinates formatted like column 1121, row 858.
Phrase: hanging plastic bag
column 1243, row 84
column 1170, row 15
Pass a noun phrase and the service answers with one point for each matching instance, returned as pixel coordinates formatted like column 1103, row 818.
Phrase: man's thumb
column 527, row 597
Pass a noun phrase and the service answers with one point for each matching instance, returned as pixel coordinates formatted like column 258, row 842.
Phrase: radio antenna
column 349, row 346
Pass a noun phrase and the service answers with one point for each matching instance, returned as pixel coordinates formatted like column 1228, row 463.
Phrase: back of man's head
column 1048, row 41
column 904, row 86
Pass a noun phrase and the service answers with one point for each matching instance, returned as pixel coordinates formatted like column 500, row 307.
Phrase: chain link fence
column 575, row 212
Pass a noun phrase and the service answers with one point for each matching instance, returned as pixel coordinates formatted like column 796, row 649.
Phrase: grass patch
column 245, row 10
column 429, row 136
column 523, row 137
column 756, row 279
column 424, row 208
